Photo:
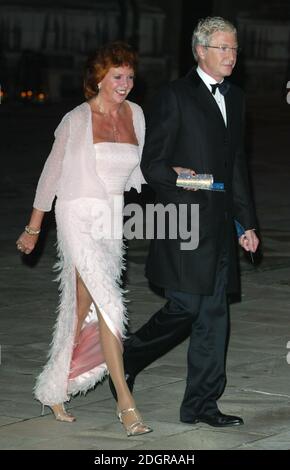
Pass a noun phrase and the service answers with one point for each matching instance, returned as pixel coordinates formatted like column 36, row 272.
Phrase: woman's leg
column 110, row 345
column 114, row 360
column 84, row 301
column 113, row 357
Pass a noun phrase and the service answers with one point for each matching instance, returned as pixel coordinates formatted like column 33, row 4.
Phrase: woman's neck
column 105, row 108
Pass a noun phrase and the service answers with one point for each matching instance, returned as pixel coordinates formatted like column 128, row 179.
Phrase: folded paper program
column 241, row 231
column 199, row 181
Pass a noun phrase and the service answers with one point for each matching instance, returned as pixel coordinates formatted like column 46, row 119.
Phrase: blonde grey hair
column 206, row 27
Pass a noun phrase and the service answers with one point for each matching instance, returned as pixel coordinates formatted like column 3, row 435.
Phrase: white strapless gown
column 89, row 234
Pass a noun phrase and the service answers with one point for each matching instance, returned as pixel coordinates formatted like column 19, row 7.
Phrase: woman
column 94, row 159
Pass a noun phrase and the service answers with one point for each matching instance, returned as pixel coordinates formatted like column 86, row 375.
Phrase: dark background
column 43, row 46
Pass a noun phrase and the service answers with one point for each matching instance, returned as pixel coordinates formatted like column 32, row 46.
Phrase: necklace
column 115, row 132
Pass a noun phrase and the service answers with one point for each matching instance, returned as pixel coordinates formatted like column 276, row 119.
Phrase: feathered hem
column 87, row 381
column 73, row 369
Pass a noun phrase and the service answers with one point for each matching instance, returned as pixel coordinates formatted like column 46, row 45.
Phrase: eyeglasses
column 226, row 49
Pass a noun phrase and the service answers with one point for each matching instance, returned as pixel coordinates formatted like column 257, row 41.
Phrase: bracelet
column 30, row 231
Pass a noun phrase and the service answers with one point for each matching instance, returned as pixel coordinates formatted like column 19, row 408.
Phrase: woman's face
column 117, row 83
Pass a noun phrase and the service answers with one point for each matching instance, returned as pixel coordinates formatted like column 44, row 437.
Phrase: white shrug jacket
column 70, row 170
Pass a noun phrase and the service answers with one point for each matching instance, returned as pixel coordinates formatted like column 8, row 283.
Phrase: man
column 193, row 126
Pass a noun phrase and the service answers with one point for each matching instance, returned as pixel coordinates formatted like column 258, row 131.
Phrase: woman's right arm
column 51, row 173
column 46, row 188
column 27, row 241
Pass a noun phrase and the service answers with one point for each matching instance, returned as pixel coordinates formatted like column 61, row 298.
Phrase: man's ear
column 201, row 51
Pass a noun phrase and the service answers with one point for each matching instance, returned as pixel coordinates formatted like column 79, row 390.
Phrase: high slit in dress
column 90, row 244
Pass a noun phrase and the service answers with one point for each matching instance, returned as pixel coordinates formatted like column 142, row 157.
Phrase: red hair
column 114, row 54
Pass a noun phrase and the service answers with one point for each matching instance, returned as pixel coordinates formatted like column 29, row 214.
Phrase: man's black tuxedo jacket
column 185, row 128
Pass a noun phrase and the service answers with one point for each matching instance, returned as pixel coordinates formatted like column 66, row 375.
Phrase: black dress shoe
column 130, row 382
column 218, row 420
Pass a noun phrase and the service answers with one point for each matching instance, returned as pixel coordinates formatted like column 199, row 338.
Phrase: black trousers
column 205, row 319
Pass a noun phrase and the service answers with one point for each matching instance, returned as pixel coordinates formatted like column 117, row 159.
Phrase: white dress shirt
column 220, row 100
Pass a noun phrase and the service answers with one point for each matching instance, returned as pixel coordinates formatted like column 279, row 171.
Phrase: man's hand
column 179, row 169
column 249, row 241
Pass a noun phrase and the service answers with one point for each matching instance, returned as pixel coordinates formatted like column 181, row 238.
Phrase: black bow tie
column 223, row 87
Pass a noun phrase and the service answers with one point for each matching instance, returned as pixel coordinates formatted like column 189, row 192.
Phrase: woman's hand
column 26, row 243
column 28, row 239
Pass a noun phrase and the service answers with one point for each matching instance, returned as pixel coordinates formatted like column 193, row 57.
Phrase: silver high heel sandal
column 60, row 413
column 137, row 427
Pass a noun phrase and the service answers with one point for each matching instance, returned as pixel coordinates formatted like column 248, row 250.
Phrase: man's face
column 218, row 62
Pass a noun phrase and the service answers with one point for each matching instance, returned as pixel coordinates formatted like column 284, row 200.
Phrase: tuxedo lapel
column 206, row 99
column 229, row 108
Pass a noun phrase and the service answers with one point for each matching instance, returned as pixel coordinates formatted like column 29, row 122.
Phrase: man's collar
column 207, row 79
